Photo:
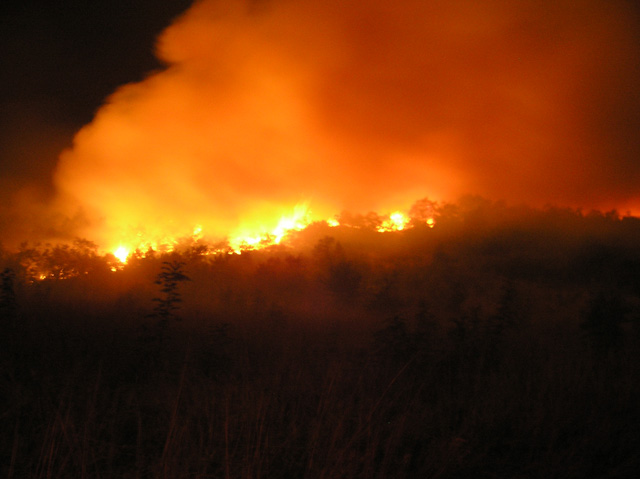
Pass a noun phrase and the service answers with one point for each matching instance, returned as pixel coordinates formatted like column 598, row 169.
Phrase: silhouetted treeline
column 502, row 342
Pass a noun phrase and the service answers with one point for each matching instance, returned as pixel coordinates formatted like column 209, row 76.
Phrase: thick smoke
column 363, row 105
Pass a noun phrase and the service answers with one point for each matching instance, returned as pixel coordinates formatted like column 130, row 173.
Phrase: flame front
column 255, row 236
column 260, row 237
column 298, row 220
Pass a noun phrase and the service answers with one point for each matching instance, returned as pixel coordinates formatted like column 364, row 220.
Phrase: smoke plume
column 362, row 105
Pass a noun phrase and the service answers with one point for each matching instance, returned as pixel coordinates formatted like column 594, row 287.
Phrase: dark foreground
column 291, row 403
column 496, row 356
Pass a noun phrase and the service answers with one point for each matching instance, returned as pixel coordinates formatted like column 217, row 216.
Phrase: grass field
column 486, row 358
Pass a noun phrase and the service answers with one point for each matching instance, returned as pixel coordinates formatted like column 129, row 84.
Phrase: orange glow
column 333, row 222
column 258, row 110
column 249, row 237
column 257, row 237
column 396, row 222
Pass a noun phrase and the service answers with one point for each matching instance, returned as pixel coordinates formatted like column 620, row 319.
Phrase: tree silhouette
column 168, row 303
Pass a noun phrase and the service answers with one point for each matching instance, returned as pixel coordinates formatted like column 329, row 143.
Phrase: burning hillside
column 355, row 106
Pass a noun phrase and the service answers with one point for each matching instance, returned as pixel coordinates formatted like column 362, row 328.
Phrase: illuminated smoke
column 361, row 105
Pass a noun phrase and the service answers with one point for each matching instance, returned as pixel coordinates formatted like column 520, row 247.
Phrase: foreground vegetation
column 501, row 343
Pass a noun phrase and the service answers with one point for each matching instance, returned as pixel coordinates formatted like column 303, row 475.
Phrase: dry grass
column 295, row 406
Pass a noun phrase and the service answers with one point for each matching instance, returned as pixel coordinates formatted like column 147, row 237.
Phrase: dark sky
column 358, row 105
column 59, row 60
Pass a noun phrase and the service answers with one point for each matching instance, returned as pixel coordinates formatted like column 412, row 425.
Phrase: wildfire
column 252, row 111
column 396, row 222
column 333, row 222
column 259, row 237
column 249, row 238
column 298, row 220
column 122, row 253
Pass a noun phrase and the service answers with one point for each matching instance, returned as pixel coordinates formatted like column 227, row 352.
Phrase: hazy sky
column 359, row 105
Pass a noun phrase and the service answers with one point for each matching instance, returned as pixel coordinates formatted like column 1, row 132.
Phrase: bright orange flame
column 333, row 222
column 298, row 220
column 121, row 253
column 252, row 236
column 396, row 222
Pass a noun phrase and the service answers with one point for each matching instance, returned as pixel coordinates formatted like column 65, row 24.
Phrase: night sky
column 59, row 61
column 255, row 107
